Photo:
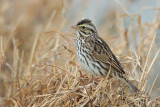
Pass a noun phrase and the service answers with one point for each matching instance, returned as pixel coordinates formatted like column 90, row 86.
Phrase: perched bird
column 95, row 55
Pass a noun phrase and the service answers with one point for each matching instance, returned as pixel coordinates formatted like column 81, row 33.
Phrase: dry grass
column 39, row 67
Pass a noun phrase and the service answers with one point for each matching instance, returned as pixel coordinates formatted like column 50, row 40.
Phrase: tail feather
column 134, row 88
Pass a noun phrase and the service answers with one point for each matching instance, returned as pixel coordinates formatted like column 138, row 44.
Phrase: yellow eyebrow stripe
column 82, row 25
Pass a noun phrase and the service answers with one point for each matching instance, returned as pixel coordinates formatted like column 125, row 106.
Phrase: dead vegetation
column 39, row 67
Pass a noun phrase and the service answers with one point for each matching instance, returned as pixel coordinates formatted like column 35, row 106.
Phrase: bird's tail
column 134, row 88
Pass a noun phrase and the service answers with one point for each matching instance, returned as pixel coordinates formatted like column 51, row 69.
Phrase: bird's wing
column 101, row 52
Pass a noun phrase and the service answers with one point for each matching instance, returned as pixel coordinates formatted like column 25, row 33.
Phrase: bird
column 95, row 55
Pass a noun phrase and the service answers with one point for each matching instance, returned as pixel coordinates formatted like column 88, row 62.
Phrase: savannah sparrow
column 95, row 55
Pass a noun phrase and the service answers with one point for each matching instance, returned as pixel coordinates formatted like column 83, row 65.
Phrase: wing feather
column 103, row 53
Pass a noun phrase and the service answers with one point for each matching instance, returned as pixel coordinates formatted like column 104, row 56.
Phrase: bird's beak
column 74, row 27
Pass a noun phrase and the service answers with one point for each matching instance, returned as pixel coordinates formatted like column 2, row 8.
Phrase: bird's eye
column 83, row 27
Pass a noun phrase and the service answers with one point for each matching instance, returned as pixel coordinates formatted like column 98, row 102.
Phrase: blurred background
column 35, row 32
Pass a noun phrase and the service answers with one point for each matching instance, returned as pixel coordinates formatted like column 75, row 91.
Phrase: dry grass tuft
column 39, row 67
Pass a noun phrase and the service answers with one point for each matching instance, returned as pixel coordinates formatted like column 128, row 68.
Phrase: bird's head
column 85, row 28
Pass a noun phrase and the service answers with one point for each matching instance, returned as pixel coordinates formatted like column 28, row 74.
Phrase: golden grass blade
column 146, row 62
column 153, row 84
